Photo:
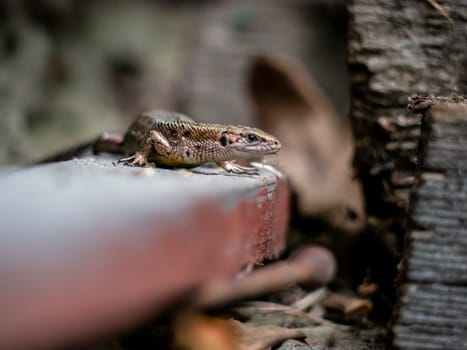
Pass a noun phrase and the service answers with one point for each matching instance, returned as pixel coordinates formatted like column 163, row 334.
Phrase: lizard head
column 247, row 142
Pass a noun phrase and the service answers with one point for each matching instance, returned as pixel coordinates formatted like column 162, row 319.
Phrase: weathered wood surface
column 432, row 313
column 398, row 49
column 88, row 248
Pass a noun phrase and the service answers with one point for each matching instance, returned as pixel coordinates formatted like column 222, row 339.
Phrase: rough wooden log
column 431, row 310
column 397, row 49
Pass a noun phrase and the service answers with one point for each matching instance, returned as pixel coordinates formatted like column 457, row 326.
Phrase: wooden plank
column 431, row 310
column 397, row 49
column 88, row 248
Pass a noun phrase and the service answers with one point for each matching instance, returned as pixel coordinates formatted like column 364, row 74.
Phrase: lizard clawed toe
column 231, row 167
column 126, row 160
column 138, row 159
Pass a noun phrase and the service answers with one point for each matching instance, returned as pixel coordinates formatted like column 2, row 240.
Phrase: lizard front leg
column 137, row 159
column 231, row 167
column 155, row 141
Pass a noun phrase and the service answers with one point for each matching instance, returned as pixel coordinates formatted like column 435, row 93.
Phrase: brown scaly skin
column 173, row 139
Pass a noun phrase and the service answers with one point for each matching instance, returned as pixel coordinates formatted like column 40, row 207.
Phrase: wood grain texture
column 431, row 310
column 397, row 49
column 88, row 248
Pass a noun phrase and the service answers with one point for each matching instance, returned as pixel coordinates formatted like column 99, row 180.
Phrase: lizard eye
column 252, row 138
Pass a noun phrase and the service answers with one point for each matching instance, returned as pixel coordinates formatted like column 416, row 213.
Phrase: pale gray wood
column 432, row 313
column 84, row 241
column 398, row 49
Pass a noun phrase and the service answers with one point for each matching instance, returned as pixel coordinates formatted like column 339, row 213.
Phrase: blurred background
column 71, row 69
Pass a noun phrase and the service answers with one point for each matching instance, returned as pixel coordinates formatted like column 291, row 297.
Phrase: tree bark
column 431, row 310
column 398, row 49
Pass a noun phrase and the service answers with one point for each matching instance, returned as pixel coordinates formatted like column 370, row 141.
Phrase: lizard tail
column 107, row 142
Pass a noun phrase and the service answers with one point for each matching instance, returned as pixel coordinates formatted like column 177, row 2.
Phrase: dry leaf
column 198, row 332
column 352, row 307
column 261, row 338
column 311, row 299
column 255, row 308
column 317, row 144
column 440, row 9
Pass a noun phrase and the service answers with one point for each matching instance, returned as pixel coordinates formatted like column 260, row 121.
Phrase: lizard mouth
column 271, row 151
column 260, row 150
column 273, row 147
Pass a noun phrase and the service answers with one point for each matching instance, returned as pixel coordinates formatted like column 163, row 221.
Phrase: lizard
column 173, row 139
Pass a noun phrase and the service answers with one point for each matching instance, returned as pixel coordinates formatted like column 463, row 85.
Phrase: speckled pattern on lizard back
column 173, row 139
